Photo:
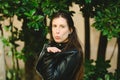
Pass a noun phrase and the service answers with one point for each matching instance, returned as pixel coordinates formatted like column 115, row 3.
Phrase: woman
column 62, row 58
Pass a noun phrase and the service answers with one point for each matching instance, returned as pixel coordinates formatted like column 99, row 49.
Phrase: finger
column 57, row 50
column 53, row 49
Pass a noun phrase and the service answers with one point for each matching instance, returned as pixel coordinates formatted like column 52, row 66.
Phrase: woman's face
column 60, row 30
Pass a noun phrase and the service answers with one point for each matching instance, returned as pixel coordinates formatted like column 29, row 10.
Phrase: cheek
column 65, row 34
column 53, row 32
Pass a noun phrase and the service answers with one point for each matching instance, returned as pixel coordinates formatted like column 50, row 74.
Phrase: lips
column 57, row 37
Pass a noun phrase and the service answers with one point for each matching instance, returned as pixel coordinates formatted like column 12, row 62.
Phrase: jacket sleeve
column 65, row 66
column 42, row 53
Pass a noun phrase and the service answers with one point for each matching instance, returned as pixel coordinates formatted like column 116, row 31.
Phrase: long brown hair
column 73, row 38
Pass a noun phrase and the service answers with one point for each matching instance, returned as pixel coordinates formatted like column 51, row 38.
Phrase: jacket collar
column 58, row 45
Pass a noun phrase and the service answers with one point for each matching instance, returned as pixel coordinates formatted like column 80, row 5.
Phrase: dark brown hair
column 73, row 38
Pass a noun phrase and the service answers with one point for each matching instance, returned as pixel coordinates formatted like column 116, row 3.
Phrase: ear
column 71, row 30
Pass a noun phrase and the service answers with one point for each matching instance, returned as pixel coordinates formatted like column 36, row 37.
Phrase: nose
column 57, row 30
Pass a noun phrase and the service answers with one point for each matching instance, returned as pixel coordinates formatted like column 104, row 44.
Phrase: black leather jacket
column 58, row 66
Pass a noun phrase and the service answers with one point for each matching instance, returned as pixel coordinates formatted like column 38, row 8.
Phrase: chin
column 58, row 41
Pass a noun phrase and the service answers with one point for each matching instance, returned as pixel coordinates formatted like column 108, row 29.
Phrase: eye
column 54, row 26
column 62, row 26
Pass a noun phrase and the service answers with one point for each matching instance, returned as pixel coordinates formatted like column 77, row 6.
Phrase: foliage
column 24, row 10
column 98, row 70
column 106, row 14
column 11, row 45
column 107, row 20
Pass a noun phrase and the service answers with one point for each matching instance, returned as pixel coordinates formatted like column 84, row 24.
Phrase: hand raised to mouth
column 53, row 49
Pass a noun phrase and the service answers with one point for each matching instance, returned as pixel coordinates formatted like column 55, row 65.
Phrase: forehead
column 59, row 20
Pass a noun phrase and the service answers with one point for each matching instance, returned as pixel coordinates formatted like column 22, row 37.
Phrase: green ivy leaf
column 99, row 79
column 88, row 1
column 9, row 74
column 107, row 77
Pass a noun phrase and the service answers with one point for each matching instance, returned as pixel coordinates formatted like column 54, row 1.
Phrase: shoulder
column 72, row 51
column 69, row 53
